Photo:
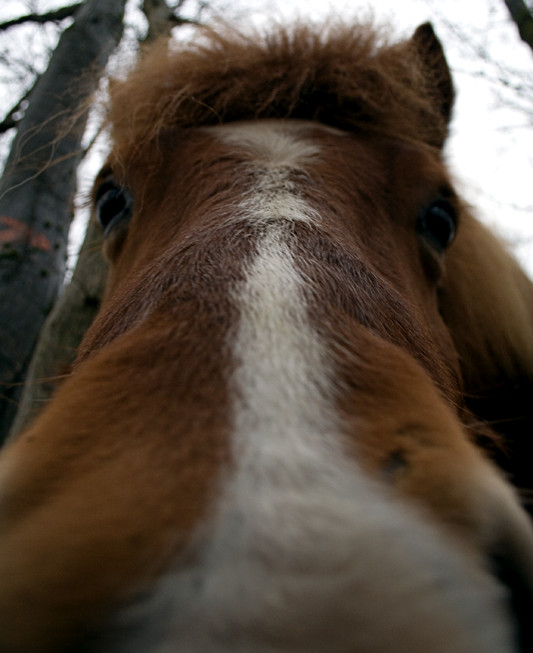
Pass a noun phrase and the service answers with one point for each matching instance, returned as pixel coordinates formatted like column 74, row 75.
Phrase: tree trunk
column 522, row 15
column 64, row 328
column 37, row 189
column 75, row 309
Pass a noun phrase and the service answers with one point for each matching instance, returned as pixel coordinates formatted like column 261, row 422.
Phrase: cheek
column 419, row 281
column 403, row 432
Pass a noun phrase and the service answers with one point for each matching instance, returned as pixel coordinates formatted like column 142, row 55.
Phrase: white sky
column 491, row 146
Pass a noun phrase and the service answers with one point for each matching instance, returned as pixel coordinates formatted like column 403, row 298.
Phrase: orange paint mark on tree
column 16, row 231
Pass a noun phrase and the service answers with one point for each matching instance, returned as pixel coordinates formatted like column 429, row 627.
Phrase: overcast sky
column 491, row 146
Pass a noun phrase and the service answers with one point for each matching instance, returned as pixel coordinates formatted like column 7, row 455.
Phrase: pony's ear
column 487, row 303
column 436, row 74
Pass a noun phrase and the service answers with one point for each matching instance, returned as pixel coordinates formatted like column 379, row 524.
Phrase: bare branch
column 177, row 21
column 11, row 119
column 158, row 14
column 162, row 18
column 55, row 15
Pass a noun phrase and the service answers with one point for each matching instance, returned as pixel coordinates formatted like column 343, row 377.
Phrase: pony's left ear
column 436, row 75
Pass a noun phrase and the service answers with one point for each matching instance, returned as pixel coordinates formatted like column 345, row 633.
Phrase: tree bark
column 75, row 309
column 523, row 18
column 37, row 189
column 64, row 328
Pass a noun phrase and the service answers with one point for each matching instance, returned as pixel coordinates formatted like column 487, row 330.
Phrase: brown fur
column 99, row 498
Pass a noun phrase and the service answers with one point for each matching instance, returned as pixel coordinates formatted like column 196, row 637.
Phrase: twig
column 55, row 15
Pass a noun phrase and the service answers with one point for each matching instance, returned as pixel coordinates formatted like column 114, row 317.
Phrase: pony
column 299, row 421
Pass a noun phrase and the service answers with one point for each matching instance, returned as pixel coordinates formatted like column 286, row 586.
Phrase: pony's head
column 275, row 436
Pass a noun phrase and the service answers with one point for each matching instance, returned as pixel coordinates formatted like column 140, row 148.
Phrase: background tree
column 522, row 15
column 38, row 186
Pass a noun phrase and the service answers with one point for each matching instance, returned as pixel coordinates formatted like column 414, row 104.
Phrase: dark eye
column 113, row 204
column 437, row 223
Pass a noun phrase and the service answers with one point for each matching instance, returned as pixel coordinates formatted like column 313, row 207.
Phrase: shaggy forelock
column 347, row 77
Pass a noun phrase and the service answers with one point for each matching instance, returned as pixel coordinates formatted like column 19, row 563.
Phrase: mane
column 346, row 77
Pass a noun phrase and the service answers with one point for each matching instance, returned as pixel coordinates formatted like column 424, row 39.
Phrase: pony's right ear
column 431, row 61
column 487, row 303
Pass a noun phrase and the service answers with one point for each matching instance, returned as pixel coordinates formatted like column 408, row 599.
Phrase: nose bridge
column 305, row 368
column 296, row 509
